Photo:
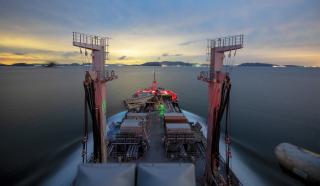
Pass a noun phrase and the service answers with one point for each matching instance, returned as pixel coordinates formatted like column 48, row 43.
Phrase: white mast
column 98, row 46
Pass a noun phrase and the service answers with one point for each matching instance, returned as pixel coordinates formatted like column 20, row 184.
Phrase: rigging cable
column 229, row 62
column 233, row 60
column 82, row 60
column 227, row 131
column 85, row 131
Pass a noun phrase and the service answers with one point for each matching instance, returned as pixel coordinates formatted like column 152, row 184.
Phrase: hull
column 66, row 172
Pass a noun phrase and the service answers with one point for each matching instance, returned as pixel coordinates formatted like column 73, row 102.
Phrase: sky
column 275, row 31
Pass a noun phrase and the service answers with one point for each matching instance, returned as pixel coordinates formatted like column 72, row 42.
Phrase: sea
column 42, row 112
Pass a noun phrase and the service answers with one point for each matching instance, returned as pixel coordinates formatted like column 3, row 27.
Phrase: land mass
column 167, row 63
column 151, row 63
column 267, row 65
column 256, row 65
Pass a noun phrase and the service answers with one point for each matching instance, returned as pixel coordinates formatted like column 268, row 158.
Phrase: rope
column 230, row 158
column 227, row 130
column 85, row 130
column 232, row 60
column 82, row 59
column 227, row 62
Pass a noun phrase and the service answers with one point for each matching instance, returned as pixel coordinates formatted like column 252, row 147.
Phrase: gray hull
column 299, row 161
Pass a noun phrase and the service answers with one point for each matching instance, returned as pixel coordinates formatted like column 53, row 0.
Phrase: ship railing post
column 238, row 41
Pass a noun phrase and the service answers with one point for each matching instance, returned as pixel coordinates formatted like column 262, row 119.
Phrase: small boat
column 299, row 161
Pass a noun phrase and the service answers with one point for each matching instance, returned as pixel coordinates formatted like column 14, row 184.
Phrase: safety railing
column 226, row 41
column 89, row 39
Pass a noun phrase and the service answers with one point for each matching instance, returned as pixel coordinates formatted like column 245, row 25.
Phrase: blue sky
column 282, row 32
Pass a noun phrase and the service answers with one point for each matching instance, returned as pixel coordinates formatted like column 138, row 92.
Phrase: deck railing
column 89, row 39
column 226, row 41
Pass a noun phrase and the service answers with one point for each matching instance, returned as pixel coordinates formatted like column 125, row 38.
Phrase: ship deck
column 156, row 151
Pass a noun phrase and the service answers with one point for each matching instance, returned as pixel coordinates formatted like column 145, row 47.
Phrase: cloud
column 190, row 42
column 122, row 58
column 70, row 54
column 19, row 53
column 41, row 30
column 167, row 55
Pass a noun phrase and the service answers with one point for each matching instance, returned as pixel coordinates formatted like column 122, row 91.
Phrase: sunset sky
column 276, row 31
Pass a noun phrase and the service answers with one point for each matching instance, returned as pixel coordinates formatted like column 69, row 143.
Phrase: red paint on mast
column 215, row 79
column 95, row 82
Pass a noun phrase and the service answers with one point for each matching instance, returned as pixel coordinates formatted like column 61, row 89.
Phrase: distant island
column 167, row 63
column 163, row 64
column 48, row 64
column 256, row 65
column 51, row 64
column 267, row 65
column 20, row 64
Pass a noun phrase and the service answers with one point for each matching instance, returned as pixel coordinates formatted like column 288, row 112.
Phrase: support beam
column 215, row 79
column 98, row 79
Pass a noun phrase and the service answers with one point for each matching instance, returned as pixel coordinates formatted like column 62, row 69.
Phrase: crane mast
column 218, row 91
column 95, row 89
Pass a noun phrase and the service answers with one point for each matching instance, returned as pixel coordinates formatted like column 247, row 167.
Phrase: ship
column 154, row 142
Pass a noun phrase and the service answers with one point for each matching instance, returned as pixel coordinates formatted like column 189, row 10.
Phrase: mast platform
column 225, row 44
column 89, row 41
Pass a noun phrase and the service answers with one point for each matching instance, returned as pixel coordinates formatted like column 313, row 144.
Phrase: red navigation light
column 170, row 93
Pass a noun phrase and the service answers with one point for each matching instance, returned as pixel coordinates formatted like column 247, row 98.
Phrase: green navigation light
column 104, row 106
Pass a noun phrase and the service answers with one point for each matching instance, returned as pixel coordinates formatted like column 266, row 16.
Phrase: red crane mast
column 219, row 90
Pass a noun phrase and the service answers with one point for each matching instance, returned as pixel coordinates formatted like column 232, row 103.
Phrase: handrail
column 89, row 39
column 226, row 41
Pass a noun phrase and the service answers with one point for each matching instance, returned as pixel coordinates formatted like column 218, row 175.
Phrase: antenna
column 154, row 83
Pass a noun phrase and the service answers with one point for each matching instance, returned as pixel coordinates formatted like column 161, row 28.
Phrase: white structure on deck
column 99, row 48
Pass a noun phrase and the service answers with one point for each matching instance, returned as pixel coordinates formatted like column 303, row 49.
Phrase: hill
column 167, row 63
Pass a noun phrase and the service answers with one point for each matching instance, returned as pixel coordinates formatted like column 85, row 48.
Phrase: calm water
column 41, row 113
